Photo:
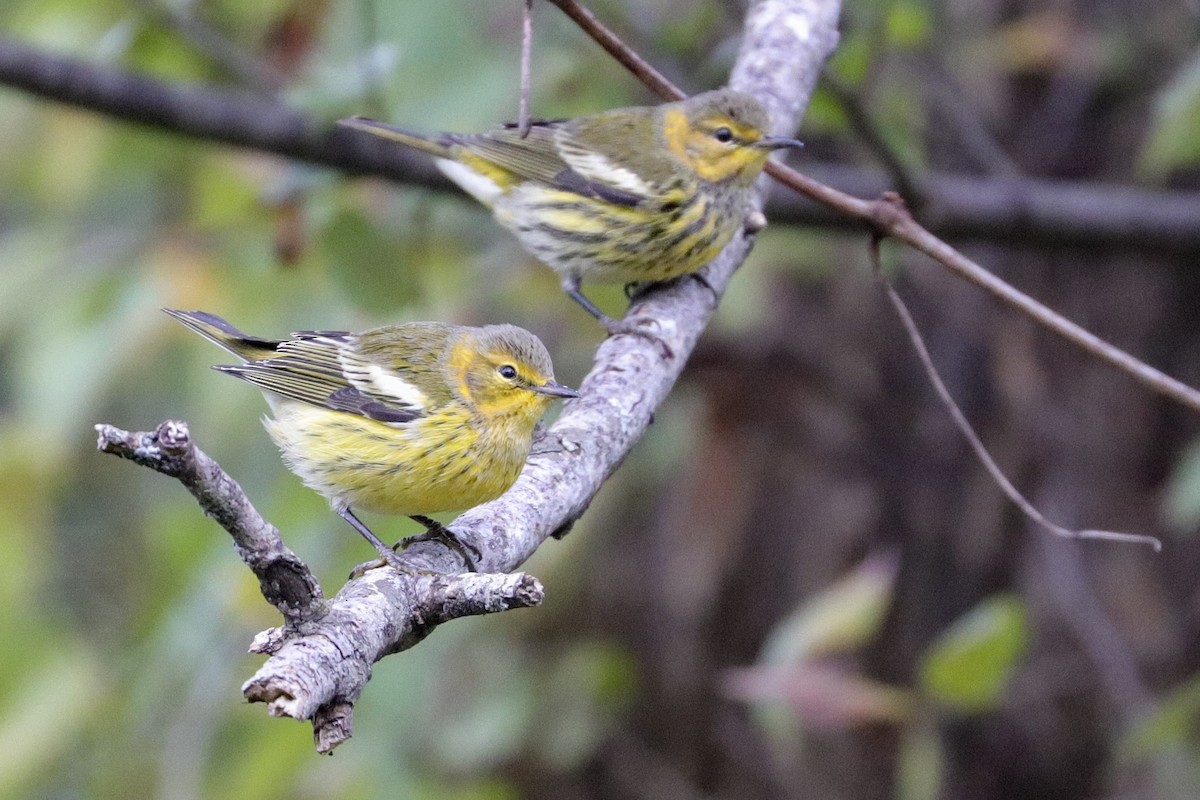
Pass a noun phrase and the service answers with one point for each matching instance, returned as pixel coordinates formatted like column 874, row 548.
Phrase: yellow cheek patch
column 721, row 163
column 676, row 131
column 460, row 361
column 711, row 160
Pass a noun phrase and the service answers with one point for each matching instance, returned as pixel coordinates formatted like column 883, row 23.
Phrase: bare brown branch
column 628, row 58
column 891, row 219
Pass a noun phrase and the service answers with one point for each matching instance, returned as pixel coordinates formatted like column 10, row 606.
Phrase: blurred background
column 800, row 584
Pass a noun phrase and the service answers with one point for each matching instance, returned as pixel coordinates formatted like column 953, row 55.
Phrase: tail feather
column 224, row 335
column 383, row 130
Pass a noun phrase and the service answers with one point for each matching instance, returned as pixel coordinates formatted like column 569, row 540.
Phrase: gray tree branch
column 325, row 649
column 320, row 661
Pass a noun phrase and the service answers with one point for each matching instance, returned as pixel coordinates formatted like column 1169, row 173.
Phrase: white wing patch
column 375, row 380
column 482, row 188
column 595, row 167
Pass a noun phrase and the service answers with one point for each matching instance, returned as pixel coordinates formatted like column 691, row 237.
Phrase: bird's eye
column 508, row 371
column 723, row 135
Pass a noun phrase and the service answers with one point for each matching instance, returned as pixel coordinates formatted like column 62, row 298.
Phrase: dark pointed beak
column 777, row 142
column 553, row 389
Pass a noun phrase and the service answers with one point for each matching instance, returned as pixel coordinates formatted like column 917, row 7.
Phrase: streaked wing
column 533, row 158
column 537, row 157
column 383, row 383
column 309, row 368
column 350, row 399
column 599, row 170
column 575, row 182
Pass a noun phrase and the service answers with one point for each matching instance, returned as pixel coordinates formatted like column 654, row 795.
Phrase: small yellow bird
column 408, row 419
column 624, row 196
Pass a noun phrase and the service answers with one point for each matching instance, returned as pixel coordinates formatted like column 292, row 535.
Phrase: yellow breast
column 433, row 464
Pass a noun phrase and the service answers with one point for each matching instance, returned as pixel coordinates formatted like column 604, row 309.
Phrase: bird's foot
column 436, row 531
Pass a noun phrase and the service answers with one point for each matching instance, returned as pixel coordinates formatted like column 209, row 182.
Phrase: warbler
column 629, row 195
column 408, row 419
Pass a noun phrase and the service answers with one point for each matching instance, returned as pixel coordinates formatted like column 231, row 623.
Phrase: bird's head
column 721, row 135
column 506, row 374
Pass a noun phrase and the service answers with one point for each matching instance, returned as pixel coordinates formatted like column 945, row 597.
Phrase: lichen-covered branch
column 322, row 656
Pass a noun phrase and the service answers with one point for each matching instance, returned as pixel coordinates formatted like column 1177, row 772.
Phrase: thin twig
column 888, row 217
column 640, row 67
column 891, row 219
column 524, row 123
column 964, row 426
column 1082, row 612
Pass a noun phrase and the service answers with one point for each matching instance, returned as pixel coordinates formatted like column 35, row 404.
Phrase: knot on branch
column 165, row 449
column 889, row 213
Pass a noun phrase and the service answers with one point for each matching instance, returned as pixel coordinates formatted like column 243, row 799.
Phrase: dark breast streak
column 656, row 240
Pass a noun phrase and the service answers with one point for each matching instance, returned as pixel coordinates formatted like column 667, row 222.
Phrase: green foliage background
column 126, row 615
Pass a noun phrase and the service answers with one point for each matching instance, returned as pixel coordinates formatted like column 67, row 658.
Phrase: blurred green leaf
column 1176, row 721
column 371, row 268
column 1168, row 742
column 842, row 617
column 1181, row 500
column 908, row 24
column 486, row 711
column 581, row 700
column 852, row 61
column 1171, row 142
column 968, row 666
column 45, row 715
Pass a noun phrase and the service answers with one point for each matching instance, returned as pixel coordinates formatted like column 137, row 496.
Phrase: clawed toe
column 436, row 531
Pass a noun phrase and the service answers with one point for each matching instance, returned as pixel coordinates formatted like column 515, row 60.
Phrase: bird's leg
column 702, row 279
column 387, row 556
column 570, row 285
column 436, row 531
